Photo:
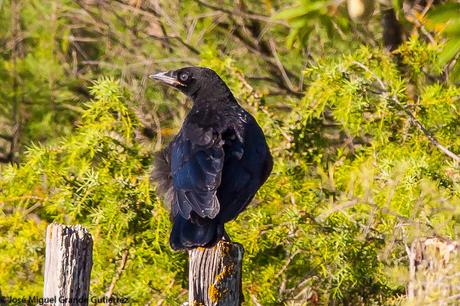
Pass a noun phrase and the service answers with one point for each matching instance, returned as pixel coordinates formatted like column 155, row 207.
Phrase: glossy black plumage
column 216, row 163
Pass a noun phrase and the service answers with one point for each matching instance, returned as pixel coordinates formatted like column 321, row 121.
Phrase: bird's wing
column 197, row 159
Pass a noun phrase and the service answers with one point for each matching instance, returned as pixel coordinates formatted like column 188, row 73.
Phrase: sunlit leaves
column 98, row 177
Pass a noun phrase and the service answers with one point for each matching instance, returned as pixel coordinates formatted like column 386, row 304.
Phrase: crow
column 214, row 166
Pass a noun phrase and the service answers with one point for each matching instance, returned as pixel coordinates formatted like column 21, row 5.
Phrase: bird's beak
column 168, row 77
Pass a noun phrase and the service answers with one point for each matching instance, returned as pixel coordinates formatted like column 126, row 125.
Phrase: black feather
column 215, row 164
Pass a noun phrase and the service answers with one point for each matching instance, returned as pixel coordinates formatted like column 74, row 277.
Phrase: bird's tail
column 195, row 232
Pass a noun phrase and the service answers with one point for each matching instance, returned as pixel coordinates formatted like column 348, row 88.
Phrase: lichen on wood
column 215, row 275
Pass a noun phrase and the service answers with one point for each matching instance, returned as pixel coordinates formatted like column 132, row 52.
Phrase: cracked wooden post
column 67, row 265
column 215, row 275
column 434, row 270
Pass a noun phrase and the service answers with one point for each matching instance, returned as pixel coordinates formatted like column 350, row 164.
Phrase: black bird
column 216, row 163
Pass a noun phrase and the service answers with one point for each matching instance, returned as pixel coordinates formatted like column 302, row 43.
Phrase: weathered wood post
column 434, row 270
column 67, row 265
column 215, row 275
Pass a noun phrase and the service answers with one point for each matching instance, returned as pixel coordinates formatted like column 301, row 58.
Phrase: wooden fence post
column 215, row 275
column 434, row 271
column 68, row 264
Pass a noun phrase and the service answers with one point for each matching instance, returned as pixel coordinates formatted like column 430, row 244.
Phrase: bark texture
column 434, row 269
column 215, row 275
column 68, row 264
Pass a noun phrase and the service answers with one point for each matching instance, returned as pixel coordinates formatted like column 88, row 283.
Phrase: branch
column 413, row 119
column 116, row 277
column 156, row 18
column 432, row 139
column 240, row 13
column 267, row 49
column 273, row 66
column 6, row 137
column 6, row 158
column 17, row 53
column 280, row 65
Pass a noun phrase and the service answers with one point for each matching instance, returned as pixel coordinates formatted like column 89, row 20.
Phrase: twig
column 254, row 300
column 280, row 65
column 287, row 263
column 116, row 277
column 6, row 137
column 240, row 13
column 336, row 208
column 413, row 119
column 264, row 53
column 16, row 53
column 6, row 158
column 432, row 139
column 267, row 51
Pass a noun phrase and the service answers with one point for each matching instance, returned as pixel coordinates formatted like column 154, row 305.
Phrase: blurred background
column 359, row 100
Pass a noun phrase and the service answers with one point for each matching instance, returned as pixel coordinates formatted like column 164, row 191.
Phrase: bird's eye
column 183, row 77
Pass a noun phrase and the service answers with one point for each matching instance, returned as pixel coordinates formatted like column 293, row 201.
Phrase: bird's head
column 195, row 82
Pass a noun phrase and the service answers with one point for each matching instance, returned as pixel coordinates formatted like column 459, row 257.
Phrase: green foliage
column 313, row 16
column 357, row 177
column 96, row 177
column 444, row 18
column 33, row 76
column 385, row 178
